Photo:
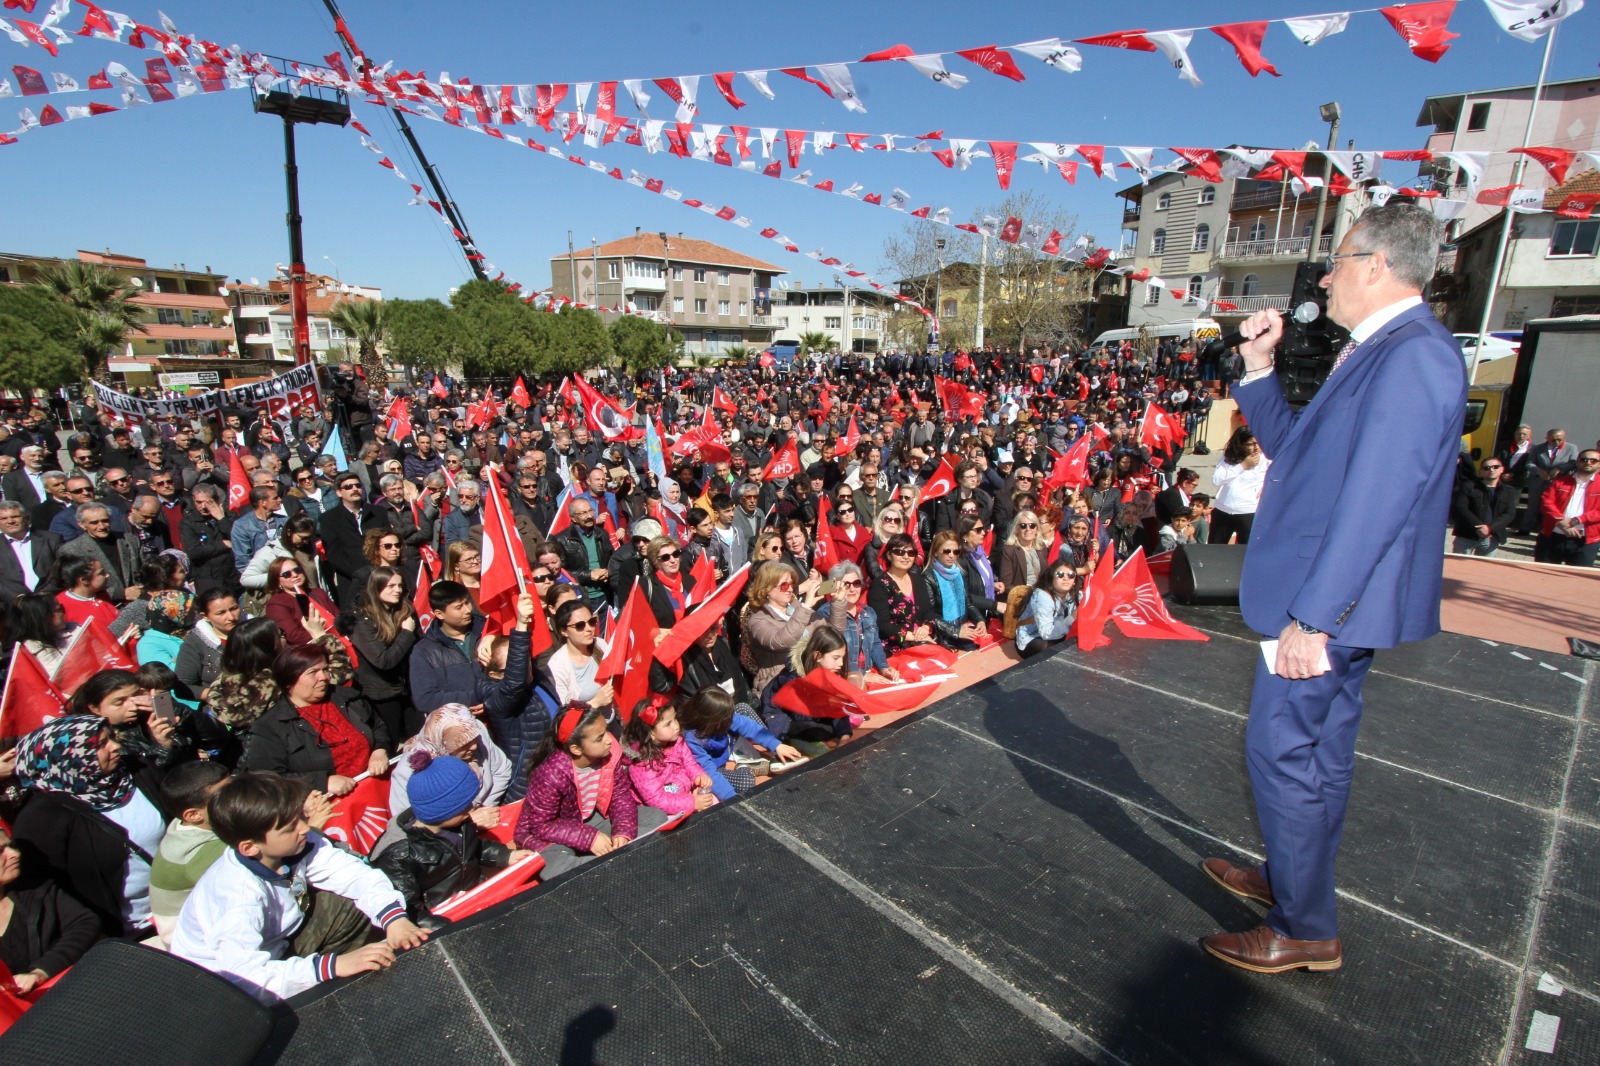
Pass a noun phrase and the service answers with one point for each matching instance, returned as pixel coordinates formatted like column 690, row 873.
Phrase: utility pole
column 1330, row 115
column 572, row 268
column 983, row 268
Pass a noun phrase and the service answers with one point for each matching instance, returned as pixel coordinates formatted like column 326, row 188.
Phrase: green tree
column 738, row 354
column 814, row 341
column 421, row 334
column 500, row 338
column 643, row 345
column 39, row 341
column 582, row 343
column 103, row 307
column 367, row 323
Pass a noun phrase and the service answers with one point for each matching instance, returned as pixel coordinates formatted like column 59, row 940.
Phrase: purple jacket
column 550, row 812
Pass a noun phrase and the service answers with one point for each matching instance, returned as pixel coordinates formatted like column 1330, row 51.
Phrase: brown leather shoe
column 1242, row 882
column 1264, row 951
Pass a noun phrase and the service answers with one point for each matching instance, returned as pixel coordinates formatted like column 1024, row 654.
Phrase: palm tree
column 367, row 323
column 102, row 302
column 815, row 341
column 736, row 353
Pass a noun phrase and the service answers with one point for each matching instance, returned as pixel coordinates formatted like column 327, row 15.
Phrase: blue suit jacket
column 1349, row 535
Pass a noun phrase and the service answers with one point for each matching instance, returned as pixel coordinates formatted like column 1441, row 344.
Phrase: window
column 1152, row 295
column 677, row 273
column 612, row 270
column 700, row 306
column 169, row 316
column 644, row 302
column 724, row 308
column 783, row 323
column 643, row 269
column 1478, row 118
column 1305, row 231
column 1258, row 230
column 1202, row 237
column 1208, row 195
column 200, row 318
column 744, row 308
column 1194, row 286
column 949, row 308
column 1158, row 242
column 677, row 305
column 1563, row 306
column 722, row 277
column 700, row 274
column 1248, row 286
column 1573, row 237
column 1163, row 201
column 833, row 322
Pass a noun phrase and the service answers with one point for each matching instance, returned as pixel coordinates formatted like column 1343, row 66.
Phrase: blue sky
column 200, row 180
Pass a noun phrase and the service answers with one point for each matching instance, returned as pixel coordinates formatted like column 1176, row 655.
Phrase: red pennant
column 37, row 36
column 361, row 816
column 1011, row 232
column 1005, row 160
column 995, row 60
column 725, row 87
column 1246, row 38
column 1204, row 162
column 795, row 142
column 1554, row 160
column 1578, row 205
column 30, row 81
column 91, row 650
column 1096, row 155
column 896, row 51
column 546, row 99
column 49, row 116
column 800, row 72
column 785, row 462
column 1424, row 27
column 1133, row 39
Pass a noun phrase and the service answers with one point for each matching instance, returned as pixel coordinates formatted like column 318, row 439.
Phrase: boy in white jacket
column 284, row 909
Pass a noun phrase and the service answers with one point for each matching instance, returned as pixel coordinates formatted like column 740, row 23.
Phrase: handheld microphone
column 1305, row 314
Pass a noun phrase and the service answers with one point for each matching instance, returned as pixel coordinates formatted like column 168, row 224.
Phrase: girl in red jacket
column 663, row 770
column 580, row 801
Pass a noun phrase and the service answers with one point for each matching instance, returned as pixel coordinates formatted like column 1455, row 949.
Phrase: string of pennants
column 1424, row 27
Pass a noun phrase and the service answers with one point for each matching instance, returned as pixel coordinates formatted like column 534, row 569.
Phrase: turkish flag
column 826, row 555
column 604, row 416
column 91, row 649
column 1095, row 610
column 638, row 637
column 785, row 462
column 519, row 393
column 30, row 699
column 693, row 624
column 824, row 694
column 1011, row 232
column 616, row 658
column 706, row 441
column 1036, row 372
column 921, row 661
column 238, row 482
column 1158, row 429
column 942, row 483
column 1137, row 606
column 513, row 880
column 703, row 580
column 1072, row 469
column 504, row 562
column 721, row 402
column 438, row 388
column 360, row 817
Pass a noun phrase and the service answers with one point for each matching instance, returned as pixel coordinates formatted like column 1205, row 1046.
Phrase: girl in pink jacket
column 664, row 773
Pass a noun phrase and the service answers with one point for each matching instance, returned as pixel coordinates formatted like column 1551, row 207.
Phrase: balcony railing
column 1127, row 251
column 1248, row 305
column 1288, row 248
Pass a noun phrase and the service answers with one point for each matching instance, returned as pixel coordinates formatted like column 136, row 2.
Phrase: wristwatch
column 1309, row 630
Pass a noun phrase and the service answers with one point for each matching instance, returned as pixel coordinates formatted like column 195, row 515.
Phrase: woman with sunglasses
column 1023, row 554
column 900, row 598
column 293, row 607
column 668, row 584
column 850, row 538
column 847, row 613
column 298, row 541
column 463, row 563
column 889, row 521
column 383, row 547
column 956, row 611
column 1052, row 605
column 384, row 634
column 572, row 667
column 777, row 616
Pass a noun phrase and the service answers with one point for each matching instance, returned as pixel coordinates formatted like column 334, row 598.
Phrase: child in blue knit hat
column 439, row 851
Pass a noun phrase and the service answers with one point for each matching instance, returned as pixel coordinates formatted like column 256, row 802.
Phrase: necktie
column 1344, row 353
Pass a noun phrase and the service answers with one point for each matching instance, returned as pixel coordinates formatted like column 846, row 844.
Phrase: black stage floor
column 1012, row 876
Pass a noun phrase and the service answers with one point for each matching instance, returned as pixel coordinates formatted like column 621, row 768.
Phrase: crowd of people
column 286, row 653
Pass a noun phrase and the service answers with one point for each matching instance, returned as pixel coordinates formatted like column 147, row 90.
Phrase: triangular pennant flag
column 1424, row 27
column 1246, row 38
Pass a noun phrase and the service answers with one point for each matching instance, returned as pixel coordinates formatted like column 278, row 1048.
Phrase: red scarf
column 674, row 587
column 350, row 749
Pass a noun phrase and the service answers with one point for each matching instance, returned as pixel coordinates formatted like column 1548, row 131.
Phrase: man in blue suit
column 1346, row 556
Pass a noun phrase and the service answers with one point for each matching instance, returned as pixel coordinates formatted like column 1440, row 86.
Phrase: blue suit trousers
column 1300, row 744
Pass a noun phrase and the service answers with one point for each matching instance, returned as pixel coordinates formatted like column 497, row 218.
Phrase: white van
column 1201, row 329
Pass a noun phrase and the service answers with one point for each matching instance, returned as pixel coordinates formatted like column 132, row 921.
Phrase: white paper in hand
column 1269, row 652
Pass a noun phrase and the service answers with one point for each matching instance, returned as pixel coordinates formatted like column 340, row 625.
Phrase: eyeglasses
column 893, row 519
column 949, row 551
column 1331, row 263
column 673, row 554
column 543, row 579
column 1059, row 574
column 119, row 480
column 844, row 510
column 901, row 551
column 393, row 545
column 1493, row 466
column 290, row 571
column 849, row 583
column 85, row 491
column 581, row 623
column 1589, row 458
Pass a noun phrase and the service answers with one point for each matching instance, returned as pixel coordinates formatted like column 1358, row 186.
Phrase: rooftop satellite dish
column 255, row 281
column 137, row 283
column 222, row 290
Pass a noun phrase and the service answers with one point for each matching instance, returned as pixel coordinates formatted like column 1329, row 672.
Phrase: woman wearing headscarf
column 96, row 831
column 453, row 730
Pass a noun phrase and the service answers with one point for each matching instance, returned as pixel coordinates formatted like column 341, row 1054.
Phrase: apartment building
column 854, row 319
column 714, row 296
column 1171, row 227
column 264, row 323
column 1493, row 120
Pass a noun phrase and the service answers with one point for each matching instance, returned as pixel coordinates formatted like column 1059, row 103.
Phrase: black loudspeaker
column 136, row 1006
column 1207, row 575
column 1308, row 350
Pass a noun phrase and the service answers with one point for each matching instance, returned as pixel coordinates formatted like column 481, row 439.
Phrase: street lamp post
column 1330, row 114
column 938, row 289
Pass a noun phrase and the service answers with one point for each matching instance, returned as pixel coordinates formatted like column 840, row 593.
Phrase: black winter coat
column 285, row 743
column 82, row 851
column 427, row 869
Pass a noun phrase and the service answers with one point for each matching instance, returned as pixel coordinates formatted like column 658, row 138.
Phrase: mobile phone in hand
column 161, row 705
